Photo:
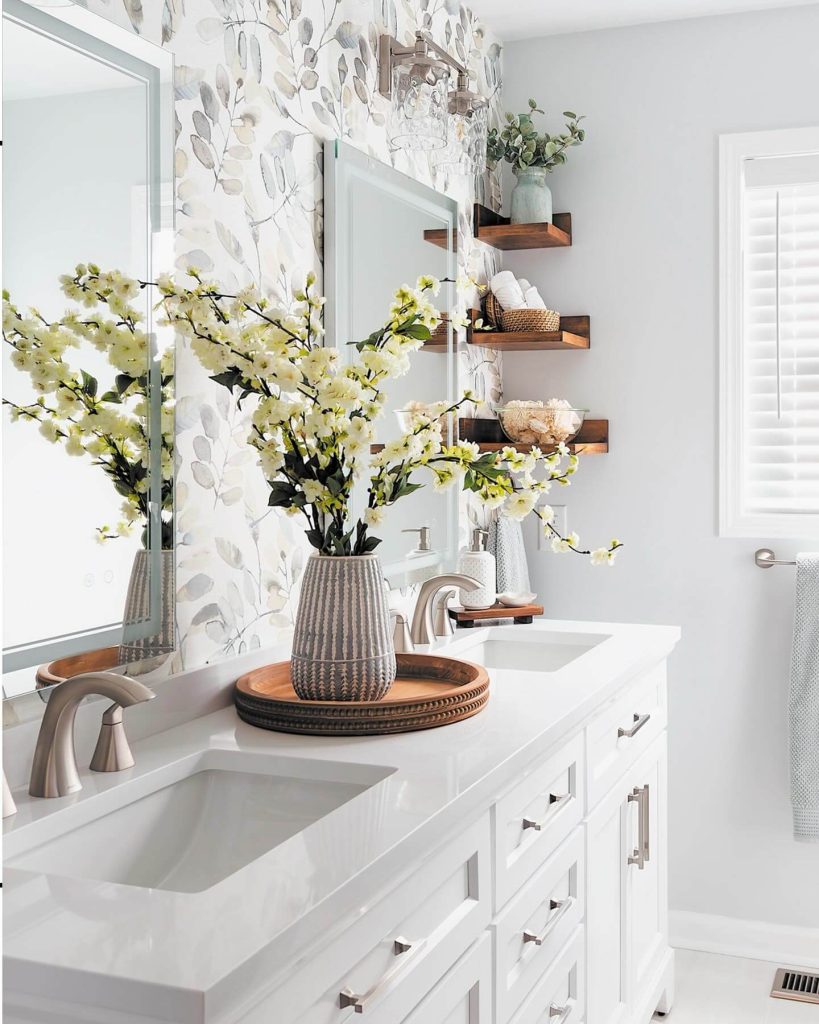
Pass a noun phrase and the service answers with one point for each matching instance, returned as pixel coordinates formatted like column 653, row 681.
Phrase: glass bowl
column 416, row 413
column 544, row 424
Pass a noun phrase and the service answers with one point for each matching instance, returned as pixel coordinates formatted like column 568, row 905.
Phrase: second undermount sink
column 536, row 651
column 225, row 811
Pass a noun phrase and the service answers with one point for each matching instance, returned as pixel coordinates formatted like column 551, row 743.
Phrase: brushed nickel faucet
column 423, row 626
column 54, row 770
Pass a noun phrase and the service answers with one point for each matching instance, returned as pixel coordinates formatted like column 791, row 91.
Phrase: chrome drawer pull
column 561, row 1012
column 556, row 803
column 401, row 948
column 639, row 722
column 562, row 907
column 641, row 856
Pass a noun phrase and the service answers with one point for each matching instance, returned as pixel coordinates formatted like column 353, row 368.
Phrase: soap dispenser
column 478, row 563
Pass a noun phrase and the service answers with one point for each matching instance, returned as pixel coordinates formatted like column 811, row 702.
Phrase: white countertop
column 197, row 950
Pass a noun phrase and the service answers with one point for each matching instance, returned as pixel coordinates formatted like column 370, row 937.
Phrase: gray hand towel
column 803, row 706
column 506, row 544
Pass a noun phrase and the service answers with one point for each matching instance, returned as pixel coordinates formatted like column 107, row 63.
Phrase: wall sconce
column 426, row 114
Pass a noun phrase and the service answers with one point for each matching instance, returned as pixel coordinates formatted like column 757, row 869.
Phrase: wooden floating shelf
column 444, row 238
column 573, row 335
column 593, row 439
column 498, row 231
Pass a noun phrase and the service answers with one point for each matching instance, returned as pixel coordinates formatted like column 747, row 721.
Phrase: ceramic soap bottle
column 478, row 563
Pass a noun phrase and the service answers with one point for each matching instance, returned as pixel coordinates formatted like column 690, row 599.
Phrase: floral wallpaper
column 259, row 85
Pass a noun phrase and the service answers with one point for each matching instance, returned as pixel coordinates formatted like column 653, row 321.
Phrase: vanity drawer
column 534, row 927
column 535, row 816
column 398, row 948
column 463, row 995
column 558, row 998
column 617, row 736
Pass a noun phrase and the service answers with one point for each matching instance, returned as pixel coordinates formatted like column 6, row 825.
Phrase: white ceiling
column 519, row 19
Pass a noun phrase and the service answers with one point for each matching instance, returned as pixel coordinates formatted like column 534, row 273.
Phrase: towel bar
column 765, row 559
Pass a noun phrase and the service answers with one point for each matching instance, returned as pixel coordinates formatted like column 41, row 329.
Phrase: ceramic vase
column 134, row 646
column 342, row 645
column 531, row 196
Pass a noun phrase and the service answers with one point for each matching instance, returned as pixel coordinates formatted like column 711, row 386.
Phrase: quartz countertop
column 183, row 957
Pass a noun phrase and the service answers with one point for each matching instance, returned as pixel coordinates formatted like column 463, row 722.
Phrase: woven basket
column 494, row 310
column 530, row 320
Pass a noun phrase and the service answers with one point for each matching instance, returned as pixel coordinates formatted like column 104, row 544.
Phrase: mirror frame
column 344, row 165
column 89, row 33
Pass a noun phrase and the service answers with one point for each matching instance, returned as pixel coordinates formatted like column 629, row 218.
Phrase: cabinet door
column 607, row 836
column 464, row 994
column 647, row 911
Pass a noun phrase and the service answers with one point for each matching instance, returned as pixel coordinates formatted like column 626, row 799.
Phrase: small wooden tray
column 430, row 691
column 523, row 614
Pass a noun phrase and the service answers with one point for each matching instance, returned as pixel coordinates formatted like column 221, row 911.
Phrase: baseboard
column 756, row 940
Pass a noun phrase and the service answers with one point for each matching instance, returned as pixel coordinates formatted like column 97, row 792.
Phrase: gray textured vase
column 138, row 610
column 342, row 645
column 531, row 197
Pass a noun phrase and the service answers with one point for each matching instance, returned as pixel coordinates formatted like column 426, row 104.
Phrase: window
column 769, row 334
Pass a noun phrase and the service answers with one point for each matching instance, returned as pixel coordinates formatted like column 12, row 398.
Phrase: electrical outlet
column 560, row 523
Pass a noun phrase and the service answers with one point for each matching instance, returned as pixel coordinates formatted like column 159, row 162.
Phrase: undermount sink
column 538, row 651
column 225, row 811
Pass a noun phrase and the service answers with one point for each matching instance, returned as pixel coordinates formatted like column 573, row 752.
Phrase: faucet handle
column 402, row 641
column 112, row 752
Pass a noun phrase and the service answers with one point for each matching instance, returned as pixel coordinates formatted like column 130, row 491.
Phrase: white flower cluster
column 71, row 407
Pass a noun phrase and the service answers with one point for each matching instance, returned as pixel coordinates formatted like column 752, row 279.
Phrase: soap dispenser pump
column 478, row 563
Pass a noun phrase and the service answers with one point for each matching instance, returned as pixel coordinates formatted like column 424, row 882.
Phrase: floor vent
column 802, row 986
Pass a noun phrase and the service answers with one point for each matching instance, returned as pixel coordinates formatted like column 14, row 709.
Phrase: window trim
column 734, row 149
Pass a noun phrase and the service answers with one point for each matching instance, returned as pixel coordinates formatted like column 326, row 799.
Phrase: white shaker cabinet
column 629, row 963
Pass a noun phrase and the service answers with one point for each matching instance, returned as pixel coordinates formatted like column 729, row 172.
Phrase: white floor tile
column 715, row 989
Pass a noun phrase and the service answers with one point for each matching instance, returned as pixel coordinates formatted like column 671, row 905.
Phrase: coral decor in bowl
column 416, row 414
column 547, row 423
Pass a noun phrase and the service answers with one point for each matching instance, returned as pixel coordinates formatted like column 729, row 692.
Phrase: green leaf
column 89, row 384
column 111, row 396
column 568, row 113
column 122, row 382
column 229, row 379
column 370, row 544
column 315, row 537
column 281, row 493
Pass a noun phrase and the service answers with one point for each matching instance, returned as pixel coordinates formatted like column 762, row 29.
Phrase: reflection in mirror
column 87, row 380
column 383, row 228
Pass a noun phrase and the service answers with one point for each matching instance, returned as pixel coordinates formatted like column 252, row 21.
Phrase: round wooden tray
column 429, row 691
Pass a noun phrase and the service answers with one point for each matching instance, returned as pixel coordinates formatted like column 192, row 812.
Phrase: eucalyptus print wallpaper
column 259, row 85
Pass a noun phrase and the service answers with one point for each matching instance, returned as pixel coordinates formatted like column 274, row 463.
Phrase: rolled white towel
column 533, row 299
column 524, row 285
column 507, row 291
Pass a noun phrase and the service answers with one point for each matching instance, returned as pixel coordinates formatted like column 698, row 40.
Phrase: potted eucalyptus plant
column 532, row 155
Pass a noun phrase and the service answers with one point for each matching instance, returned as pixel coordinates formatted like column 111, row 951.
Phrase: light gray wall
column 643, row 195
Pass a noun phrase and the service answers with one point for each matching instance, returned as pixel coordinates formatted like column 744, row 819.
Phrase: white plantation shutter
column 770, row 334
column 780, row 444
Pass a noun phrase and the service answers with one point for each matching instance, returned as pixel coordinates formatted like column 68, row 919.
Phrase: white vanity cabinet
column 548, row 909
column 510, row 869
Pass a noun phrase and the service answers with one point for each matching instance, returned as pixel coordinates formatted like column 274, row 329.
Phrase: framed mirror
column 87, row 383
column 384, row 229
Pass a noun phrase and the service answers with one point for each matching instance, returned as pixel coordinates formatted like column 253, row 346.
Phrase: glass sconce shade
column 479, row 124
column 420, row 109
column 457, row 156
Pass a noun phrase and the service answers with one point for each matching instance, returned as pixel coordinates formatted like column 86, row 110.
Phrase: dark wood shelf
column 593, row 439
column 573, row 335
column 444, row 238
column 498, row 231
